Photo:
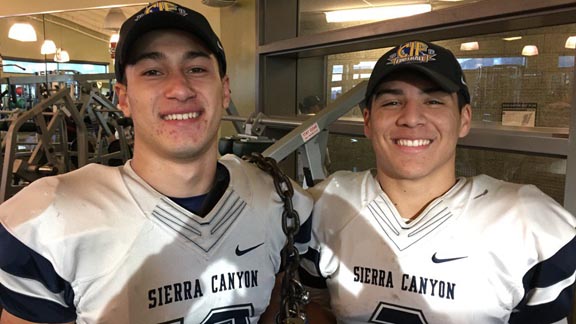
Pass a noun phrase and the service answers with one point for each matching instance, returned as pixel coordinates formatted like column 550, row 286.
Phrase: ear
column 226, row 93
column 121, row 92
column 465, row 120
column 367, row 128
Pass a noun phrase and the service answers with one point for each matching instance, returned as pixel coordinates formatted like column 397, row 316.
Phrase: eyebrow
column 393, row 91
column 160, row 56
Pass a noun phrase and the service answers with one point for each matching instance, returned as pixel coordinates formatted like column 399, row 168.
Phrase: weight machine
column 309, row 137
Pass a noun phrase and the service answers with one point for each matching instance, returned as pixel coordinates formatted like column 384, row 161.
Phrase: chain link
column 293, row 294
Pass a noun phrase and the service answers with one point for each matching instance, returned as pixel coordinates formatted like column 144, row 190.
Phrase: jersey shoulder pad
column 64, row 216
column 257, row 188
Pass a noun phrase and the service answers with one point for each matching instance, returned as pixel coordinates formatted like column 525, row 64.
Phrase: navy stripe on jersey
column 35, row 309
column 19, row 260
column 559, row 267
column 308, row 279
column 551, row 312
column 190, row 228
column 305, row 232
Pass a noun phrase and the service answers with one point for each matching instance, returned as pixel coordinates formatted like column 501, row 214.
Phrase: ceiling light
column 23, row 32
column 513, row 38
column 570, row 42
column 48, row 47
column 114, row 19
column 470, row 46
column 530, row 50
column 61, row 56
column 376, row 13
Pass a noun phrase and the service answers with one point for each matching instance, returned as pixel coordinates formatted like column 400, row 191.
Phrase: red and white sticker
column 310, row 132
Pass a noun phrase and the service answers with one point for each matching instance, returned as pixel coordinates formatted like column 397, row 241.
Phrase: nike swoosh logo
column 437, row 260
column 242, row 252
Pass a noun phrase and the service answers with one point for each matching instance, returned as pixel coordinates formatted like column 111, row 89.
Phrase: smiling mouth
column 413, row 143
column 190, row 115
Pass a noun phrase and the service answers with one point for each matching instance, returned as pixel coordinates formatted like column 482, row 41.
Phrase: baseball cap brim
column 164, row 20
column 437, row 78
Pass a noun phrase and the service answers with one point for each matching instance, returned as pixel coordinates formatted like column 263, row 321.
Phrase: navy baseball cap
column 436, row 62
column 165, row 15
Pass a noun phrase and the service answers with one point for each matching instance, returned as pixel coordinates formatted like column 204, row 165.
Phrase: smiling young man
column 173, row 236
column 411, row 242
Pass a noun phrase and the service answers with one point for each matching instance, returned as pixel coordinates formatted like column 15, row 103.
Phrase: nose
column 178, row 87
column 411, row 114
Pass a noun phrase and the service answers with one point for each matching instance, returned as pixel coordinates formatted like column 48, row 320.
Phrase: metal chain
column 293, row 294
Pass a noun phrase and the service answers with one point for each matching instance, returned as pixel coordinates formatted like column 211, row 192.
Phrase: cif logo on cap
column 162, row 6
column 412, row 52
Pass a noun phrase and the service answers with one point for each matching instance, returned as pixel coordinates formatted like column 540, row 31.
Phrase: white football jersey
column 487, row 251
column 99, row 245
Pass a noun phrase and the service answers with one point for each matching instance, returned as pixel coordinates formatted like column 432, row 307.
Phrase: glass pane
column 318, row 16
column 352, row 153
column 547, row 173
column 32, row 67
column 508, row 86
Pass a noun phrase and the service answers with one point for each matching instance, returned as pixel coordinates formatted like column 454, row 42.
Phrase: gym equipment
column 109, row 131
column 249, row 138
column 308, row 137
column 50, row 154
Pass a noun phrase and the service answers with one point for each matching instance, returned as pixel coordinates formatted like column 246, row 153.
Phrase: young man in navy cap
column 411, row 242
column 174, row 235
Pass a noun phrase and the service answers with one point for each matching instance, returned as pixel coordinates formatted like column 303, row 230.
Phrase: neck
column 410, row 197
column 179, row 179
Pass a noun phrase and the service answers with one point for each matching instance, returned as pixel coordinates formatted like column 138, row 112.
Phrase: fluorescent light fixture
column 23, row 32
column 570, row 42
column 376, row 13
column 470, row 46
column 61, row 56
column 530, row 50
column 48, row 47
column 513, row 38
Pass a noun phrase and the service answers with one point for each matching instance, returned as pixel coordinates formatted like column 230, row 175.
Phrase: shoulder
column 505, row 194
column 66, row 215
column 521, row 208
column 355, row 187
column 253, row 184
column 341, row 197
column 58, row 192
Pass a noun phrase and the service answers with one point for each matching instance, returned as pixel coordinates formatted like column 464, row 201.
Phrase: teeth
column 182, row 116
column 413, row 143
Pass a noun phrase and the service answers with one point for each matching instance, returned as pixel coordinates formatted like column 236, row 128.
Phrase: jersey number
column 238, row 314
column 394, row 314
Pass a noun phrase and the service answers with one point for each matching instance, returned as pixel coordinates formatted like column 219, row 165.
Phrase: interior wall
column 238, row 36
column 80, row 46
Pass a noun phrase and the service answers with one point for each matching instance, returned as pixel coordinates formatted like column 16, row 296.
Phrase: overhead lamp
column 48, row 47
column 513, row 38
column 23, row 32
column 376, row 13
column 530, row 50
column 570, row 42
column 470, row 46
column 61, row 56
column 114, row 19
